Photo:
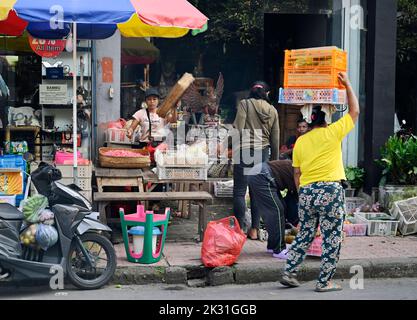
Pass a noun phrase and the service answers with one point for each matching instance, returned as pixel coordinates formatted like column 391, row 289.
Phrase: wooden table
column 140, row 178
column 104, row 198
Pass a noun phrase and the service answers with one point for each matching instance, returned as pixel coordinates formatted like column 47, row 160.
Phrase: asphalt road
column 373, row 289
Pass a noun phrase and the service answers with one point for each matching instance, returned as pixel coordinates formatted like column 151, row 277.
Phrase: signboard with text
column 53, row 94
column 47, row 48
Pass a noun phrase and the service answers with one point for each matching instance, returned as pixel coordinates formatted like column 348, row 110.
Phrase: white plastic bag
column 46, row 236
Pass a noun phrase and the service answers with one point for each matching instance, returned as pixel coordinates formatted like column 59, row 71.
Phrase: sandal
column 329, row 288
column 289, row 280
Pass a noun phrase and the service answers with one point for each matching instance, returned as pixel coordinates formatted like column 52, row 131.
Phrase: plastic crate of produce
column 379, row 224
column 354, row 229
column 314, row 67
column 353, row 203
column 406, row 212
column 319, row 96
column 315, row 249
column 182, row 173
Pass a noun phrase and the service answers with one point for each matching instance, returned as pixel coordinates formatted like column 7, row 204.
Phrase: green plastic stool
column 148, row 220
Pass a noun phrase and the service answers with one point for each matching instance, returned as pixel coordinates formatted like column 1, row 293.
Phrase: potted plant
column 355, row 177
column 399, row 164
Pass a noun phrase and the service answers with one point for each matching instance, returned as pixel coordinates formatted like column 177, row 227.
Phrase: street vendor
column 287, row 149
column 318, row 172
column 149, row 133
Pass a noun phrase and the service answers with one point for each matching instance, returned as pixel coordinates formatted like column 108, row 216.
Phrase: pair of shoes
column 289, row 280
column 330, row 287
column 270, row 250
column 282, row 255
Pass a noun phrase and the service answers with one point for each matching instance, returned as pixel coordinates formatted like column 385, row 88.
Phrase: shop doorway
column 293, row 31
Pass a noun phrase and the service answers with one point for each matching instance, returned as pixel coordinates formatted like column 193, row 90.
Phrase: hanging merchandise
column 66, row 138
column 23, row 116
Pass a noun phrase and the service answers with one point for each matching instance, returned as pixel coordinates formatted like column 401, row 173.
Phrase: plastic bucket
column 138, row 235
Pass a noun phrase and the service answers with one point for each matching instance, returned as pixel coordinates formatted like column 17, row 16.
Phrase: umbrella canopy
column 12, row 25
column 99, row 19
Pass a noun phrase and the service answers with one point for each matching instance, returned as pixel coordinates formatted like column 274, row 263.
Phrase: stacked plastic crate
column 311, row 76
column 12, row 177
column 84, row 174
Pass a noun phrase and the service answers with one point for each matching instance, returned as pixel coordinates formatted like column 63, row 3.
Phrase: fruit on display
column 123, row 153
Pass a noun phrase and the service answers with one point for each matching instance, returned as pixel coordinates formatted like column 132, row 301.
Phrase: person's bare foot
column 253, row 234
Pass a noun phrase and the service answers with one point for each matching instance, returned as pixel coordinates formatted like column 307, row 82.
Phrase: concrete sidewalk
column 380, row 257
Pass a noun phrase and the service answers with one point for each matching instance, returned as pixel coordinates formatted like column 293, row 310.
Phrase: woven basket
column 124, row 162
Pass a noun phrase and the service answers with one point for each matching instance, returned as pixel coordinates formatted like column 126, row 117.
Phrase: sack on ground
column 223, row 242
column 46, row 236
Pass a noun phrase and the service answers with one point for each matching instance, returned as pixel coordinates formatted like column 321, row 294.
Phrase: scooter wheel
column 102, row 252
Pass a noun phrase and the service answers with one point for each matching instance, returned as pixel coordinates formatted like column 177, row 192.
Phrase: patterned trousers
column 320, row 204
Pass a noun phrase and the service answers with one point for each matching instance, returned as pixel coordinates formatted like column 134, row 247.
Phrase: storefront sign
column 53, row 94
column 47, row 48
column 107, row 67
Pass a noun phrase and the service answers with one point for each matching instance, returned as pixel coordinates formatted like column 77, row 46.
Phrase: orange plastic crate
column 314, row 67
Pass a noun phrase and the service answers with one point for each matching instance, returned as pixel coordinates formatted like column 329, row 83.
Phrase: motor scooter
column 83, row 252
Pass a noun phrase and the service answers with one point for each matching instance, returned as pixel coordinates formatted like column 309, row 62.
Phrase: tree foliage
column 242, row 20
column 407, row 30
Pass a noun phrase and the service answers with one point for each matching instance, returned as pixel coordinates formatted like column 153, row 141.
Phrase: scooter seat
column 9, row 212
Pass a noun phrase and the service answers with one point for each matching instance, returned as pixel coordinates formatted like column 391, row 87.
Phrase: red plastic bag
column 223, row 241
column 118, row 124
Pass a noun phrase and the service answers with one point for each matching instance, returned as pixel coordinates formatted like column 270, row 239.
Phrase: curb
column 200, row 276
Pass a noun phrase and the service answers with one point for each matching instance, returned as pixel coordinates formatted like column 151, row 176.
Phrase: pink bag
column 62, row 157
column 118, row 124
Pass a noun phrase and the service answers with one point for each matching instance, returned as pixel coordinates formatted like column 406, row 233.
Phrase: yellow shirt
column 318, row 153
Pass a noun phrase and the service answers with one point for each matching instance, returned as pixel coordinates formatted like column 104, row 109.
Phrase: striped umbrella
column 98, row 19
